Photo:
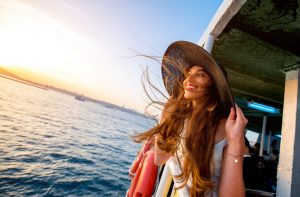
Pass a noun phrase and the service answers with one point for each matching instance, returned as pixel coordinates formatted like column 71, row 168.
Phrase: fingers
column 244, row 118
column 240, row 115
column 237, row 115
column 231, row 114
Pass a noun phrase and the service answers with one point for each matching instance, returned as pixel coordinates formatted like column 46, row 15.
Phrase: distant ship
column 109, row 106
column 80, row 97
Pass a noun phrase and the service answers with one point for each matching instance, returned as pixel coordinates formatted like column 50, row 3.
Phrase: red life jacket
column 143, row 172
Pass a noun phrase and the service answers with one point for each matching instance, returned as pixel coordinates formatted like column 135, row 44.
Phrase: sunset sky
column 85, row 45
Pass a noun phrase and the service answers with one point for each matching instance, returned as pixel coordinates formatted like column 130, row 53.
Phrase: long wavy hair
column 200, row 123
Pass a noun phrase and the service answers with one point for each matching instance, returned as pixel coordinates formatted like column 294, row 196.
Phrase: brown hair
column 200, row 130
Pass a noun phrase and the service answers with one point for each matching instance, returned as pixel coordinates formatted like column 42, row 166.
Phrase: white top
column 215, row 165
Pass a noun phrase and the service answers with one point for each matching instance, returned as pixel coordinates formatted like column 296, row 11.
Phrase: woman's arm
column 161, row 157
column 231, row 181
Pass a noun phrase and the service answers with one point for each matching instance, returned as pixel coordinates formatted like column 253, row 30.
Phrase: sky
column 90, row 46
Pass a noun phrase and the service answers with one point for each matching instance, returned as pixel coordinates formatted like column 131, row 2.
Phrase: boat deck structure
column 257, row 41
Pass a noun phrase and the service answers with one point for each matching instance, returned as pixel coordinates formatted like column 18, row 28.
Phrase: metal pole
column 209, row 43
column 262, row 139
column 269, row 142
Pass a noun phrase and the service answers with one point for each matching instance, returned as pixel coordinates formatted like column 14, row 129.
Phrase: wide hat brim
column 188, row 54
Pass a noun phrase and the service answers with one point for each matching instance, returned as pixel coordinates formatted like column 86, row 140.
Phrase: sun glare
column 43, row 45
column 31, row 39
column 26, row 41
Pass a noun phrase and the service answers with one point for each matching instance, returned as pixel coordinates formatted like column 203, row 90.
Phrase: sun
column 29, row 43
column 42, row 43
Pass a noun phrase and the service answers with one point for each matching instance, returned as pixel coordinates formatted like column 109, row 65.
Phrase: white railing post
column 262, row 138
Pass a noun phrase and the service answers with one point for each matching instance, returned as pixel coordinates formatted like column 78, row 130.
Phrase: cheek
column 203, row 82
column 184, row 82
column 206, row 82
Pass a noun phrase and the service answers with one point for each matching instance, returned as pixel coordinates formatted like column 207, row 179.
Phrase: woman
column 201, row 129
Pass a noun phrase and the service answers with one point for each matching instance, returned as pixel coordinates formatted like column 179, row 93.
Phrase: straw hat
column 183, row 55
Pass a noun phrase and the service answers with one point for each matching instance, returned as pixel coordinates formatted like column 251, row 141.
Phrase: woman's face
column 196, row 83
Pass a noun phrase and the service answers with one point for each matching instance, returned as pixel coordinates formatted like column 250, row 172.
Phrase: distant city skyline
column 84, row 46
column 7, row 74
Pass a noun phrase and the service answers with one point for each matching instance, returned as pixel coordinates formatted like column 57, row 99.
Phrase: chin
column 190, row 96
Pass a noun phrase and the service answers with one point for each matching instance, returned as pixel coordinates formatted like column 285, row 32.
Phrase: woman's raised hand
column 235, row 126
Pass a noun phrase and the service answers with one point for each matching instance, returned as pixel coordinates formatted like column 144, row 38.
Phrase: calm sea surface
column 54, row 145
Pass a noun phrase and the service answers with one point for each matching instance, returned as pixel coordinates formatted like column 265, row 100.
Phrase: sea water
column 54, row 145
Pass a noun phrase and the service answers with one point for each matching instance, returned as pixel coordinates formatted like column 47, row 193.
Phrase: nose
column 188, row 80
column 189, row 77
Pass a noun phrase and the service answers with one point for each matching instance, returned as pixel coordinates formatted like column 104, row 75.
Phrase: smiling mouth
column 191, row 88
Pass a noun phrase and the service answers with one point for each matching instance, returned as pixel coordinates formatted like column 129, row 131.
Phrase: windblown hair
column 199, row 132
